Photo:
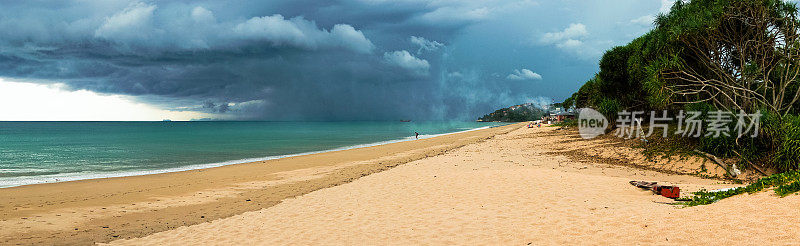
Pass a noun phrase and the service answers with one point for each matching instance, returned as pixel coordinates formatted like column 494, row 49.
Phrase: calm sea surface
column 39, row 152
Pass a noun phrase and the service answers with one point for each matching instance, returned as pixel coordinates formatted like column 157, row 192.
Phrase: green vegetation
column 609, row 107
column 787, row 183
column 709, row 55
column 787, row 189
column 566, row 123
column 787, row 156
column 518, row 113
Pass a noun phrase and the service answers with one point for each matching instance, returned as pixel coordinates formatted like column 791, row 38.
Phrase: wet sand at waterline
column 515, row 188
column 102, row 210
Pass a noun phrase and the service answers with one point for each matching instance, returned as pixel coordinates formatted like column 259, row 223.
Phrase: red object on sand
column 663, row 190
column 667, row 191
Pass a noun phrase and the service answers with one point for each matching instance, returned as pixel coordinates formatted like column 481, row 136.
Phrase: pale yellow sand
column 506, row 190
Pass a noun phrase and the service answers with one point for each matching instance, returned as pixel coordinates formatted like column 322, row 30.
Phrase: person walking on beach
column 417, row 136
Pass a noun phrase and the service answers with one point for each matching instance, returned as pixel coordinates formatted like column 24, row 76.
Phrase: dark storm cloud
column 252, row 60
column 275, row 60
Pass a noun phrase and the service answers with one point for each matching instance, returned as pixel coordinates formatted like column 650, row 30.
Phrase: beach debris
column 668, row 191
column 733, row 171
column 750, row 164
column 643, row 184
column 723, row 190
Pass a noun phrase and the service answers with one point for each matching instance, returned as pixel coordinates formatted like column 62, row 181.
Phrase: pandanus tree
column 735, row 54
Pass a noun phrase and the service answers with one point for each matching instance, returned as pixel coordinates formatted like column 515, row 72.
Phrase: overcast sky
column 302, row 59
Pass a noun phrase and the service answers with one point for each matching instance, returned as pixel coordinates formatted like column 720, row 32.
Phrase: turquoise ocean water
column 41, row 152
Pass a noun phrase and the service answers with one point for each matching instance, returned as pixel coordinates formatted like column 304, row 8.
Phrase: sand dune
column 512, row 189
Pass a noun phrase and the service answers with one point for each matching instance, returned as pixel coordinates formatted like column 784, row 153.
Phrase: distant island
column 516, row 113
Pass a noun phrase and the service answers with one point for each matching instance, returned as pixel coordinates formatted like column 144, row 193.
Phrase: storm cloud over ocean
column 315, row 60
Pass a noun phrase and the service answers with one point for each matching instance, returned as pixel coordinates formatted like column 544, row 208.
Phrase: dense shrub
column 787, row 138
column 609, row 107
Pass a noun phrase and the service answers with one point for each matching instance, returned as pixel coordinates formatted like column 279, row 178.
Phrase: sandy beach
column 102, row 210
column 504, row 185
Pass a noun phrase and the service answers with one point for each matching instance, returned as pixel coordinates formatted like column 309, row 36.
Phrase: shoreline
column 101, row 210
column 503, row 185
column 517, row 188
column 68, row 178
